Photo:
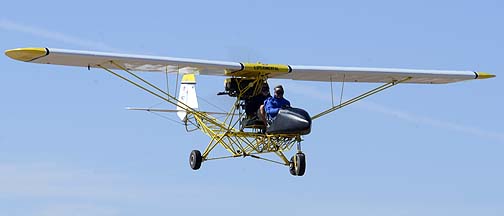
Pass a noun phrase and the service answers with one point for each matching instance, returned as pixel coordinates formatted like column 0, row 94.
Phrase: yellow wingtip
column 26, row 54
column 483, row 75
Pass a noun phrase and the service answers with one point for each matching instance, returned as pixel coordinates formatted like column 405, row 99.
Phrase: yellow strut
column 360, row 97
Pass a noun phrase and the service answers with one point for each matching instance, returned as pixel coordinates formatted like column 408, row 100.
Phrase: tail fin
column 187, row 95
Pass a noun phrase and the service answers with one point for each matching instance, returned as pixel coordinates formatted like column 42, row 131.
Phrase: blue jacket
column 272, row 105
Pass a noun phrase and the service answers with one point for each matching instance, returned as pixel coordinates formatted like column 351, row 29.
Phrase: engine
column 245, row 87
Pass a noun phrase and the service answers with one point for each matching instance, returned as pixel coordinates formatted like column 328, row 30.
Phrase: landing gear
column 292, row 169
column 195, row 159
column 297, row 164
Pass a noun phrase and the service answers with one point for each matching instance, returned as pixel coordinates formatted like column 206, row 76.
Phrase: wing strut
column 360, row 97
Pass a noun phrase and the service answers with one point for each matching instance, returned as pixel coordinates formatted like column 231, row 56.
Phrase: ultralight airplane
column 241, row 132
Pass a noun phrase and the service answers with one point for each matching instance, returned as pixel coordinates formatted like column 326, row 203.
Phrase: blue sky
column 68, row 147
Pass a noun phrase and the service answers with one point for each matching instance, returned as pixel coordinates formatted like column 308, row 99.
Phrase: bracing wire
column 208, row 102
column 167, row 118
column 176, row 81
column 342, row 88
column 332, row 92
column 167, row 83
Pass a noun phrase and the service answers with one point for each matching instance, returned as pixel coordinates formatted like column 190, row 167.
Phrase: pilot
column 273, row 104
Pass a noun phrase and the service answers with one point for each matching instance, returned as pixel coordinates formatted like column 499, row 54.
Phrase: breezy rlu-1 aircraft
column 241, row 133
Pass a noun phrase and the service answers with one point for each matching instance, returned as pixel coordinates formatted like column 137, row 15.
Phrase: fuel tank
column 291, row 121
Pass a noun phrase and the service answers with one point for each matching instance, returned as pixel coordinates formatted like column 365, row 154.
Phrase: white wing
column 206, row 67
column 131, row 62
column 379, row 75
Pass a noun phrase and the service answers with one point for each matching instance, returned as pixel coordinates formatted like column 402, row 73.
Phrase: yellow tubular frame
column 360, row 97
column 224, row 133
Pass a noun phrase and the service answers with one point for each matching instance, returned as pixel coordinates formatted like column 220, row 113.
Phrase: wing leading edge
column 207, row 67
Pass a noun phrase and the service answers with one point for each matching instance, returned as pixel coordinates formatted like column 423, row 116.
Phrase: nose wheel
column 195, row 159
column 297, row 164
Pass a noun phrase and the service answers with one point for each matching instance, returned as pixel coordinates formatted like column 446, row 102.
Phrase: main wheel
column 300, row 164
column 292, row 169
column 195, row 159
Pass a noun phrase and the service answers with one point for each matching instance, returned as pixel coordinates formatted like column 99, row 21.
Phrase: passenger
column 273, row 104
column 253, row 104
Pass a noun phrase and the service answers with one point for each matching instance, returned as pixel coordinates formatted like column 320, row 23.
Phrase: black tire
column 300, row 165
column 195, row 159
column 292, row 169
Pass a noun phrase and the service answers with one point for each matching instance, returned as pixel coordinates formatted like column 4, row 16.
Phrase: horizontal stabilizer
column 172, row 111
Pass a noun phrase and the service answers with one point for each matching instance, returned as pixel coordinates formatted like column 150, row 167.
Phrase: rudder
column 187, row 95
